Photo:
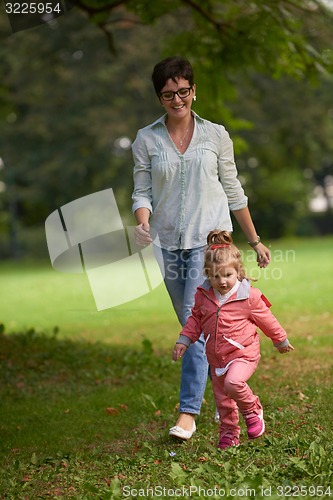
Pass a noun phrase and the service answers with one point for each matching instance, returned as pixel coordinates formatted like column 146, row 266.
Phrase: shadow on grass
column 59, row 396
column 86, row 420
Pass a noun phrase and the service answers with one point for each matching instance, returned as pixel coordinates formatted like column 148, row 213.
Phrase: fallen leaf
column 112, row 411
column 301, row 396
column 120, row 476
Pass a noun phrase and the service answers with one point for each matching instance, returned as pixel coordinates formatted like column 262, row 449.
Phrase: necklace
column 181, row 141
column 173, row 134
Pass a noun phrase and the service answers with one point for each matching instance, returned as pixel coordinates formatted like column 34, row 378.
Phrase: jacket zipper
column 216, row 325
column 216, row 321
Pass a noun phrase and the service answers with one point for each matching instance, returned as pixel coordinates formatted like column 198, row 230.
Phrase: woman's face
column 177, row 107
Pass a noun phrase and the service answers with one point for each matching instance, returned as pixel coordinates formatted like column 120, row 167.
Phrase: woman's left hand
column 263, row 255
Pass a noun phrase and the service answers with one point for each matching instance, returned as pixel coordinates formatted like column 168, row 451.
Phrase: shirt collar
column 223, row 298
column 162, row 119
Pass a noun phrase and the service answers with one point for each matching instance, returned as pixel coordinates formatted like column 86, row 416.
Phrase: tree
column 66, row 101
column 290, row 147
column 64, row 105
column 221, row 38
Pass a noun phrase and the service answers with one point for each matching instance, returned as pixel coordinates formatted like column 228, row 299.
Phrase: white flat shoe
column 180, row 433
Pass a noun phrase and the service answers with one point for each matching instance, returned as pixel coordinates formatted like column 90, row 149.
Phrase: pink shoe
column 228, row 440
column 255, row 425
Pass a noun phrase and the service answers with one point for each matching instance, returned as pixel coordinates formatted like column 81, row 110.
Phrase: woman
column 185, row 185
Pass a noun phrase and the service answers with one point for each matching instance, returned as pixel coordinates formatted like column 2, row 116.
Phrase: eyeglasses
column 182, row 93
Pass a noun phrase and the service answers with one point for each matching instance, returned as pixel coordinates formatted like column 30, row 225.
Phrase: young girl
column 228, row 310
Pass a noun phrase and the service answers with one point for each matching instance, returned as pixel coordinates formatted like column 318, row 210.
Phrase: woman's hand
column 142, row 235
column 263, row 255
column 178, row 351
column 244, row 219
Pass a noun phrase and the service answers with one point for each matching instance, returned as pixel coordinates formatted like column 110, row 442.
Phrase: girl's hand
column 287, row 348
column 142, row 235
column 178, row 351
column 263, row 255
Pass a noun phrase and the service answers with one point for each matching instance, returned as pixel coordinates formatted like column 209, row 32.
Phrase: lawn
column 87, row 397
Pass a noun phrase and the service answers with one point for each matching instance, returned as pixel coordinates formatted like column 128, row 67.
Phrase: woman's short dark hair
column 171, row 67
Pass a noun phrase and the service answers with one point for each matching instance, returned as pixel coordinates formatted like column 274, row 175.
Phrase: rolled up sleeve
column 142, row 193
column 228, row 174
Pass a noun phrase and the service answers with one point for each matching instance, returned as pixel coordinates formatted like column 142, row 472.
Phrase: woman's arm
column 142, row 195
column 142, row 215
column 244, row 219
column 236, row 197
column 142, row 230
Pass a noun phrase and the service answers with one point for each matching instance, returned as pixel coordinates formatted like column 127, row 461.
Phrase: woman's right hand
column 142, row 235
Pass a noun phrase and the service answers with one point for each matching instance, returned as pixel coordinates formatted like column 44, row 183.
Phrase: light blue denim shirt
column 188, row 194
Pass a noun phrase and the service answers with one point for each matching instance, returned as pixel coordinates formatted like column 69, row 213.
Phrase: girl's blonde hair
column 221, row 250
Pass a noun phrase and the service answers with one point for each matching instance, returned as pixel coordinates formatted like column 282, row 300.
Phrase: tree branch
column 97, row 10
column 206, row 15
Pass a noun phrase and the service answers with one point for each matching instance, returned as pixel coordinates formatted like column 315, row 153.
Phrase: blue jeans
column 183, row 274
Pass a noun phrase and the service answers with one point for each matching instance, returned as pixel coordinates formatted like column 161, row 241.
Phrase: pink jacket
column 230, row 330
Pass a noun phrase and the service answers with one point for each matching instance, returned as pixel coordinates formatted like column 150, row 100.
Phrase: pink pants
column 232, row 393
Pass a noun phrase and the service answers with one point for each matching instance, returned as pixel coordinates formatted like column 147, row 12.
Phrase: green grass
column 85, row 410
column 33, row 294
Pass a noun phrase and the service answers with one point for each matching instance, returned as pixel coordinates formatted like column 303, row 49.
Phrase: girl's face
column 178, row 107
column 222, row 277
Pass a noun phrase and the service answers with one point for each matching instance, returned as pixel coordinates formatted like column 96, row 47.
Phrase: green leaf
column 177, row 473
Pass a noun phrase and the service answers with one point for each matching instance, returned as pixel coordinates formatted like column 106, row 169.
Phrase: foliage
column 85, row 420
column 66, row 101
column 224, row 39
column 66, row 107
column 290, row 148
column 236, row 33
